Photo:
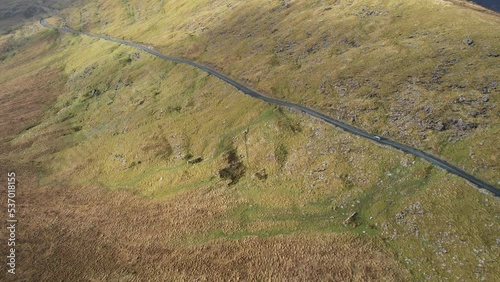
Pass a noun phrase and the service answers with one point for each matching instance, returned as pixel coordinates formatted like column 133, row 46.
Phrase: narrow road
column 384, row 141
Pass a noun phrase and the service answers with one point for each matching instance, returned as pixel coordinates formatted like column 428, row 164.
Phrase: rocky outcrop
column 234, row 169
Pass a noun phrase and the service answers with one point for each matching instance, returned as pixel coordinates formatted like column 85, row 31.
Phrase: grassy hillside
column 139, row 168
column 420, row 74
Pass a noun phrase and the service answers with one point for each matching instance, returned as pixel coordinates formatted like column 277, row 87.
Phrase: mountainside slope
column 421, row 74
column 210, row 184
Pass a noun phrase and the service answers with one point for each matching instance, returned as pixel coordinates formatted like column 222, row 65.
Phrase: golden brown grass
column 123, row 237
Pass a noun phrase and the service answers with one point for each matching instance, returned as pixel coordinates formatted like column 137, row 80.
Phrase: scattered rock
column 413, row 229
column 94, row 93
column 468, row 42
column 437, row 75
column 462, row 125
column 133, row 164
column 285, row 3
column 473, row 114
column 439, row 126
column 394, row 234
column 452, row 61
column 416, row 208
column 119, row 158
column 88, row 71
column 286, row 46
column 351, row 220
column 372, row 11
column 427, row 109
column 350, row 42
column 313, row 49
column 261, row 174
column 400, row 215
column 195, row 160
column 135, row 56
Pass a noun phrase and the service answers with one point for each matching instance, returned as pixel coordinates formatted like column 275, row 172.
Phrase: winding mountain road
column 383, row 141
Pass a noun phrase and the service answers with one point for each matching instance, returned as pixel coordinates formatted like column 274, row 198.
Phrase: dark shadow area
column 490, row 4
column 14, row 12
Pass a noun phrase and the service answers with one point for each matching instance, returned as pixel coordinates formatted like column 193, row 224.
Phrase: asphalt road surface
column 384, row 141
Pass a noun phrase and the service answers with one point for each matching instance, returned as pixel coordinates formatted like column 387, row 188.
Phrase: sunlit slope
column 139, row 135
column 217, row 172
column 424, row 73
column 134, row 122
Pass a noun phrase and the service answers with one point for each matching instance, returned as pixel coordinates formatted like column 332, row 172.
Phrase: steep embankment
column 273, row 192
